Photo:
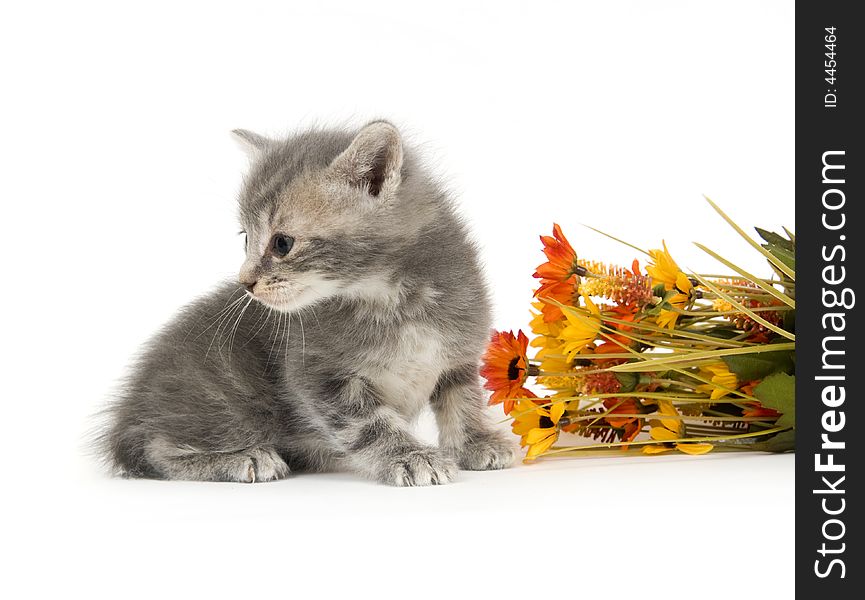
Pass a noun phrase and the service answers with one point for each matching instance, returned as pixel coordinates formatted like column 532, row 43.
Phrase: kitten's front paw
column 486, row 453
column 420, row 467
column 260, row 464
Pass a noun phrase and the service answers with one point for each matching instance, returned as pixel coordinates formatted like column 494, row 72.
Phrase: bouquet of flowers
column 652, row 360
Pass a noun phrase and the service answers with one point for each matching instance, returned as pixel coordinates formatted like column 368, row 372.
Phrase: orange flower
column 561, row 258
column 561, row 291
column 631, row 426
column 755, row 409
column 506, row 368
column 558, row 275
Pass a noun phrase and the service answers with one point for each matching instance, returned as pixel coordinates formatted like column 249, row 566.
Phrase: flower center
column 514, row 371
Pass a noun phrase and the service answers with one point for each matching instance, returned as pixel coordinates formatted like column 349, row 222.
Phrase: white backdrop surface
column 118, row 206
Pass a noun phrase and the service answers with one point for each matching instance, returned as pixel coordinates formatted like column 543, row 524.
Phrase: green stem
column 709, row 439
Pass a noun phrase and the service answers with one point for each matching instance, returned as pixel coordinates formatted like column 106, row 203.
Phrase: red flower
column 755, row 409
column 561, row 291
column 558, row 275
column 631, row 426
column 561, row 258
column 506, row 368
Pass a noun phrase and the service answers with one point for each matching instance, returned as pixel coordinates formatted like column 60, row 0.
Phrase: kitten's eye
column 281, row 244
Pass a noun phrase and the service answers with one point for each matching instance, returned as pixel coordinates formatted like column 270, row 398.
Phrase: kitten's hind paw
column 420, row 467
column 486, row 453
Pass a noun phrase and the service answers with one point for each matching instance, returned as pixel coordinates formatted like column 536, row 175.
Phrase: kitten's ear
column 373, row 161
column 251, row 143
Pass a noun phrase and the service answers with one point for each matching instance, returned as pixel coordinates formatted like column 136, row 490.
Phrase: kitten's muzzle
column 249, row 284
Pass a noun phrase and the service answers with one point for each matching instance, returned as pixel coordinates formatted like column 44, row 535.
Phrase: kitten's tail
column 117, row 444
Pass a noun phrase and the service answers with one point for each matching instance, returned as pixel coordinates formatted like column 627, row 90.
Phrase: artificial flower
column 563, row 292
column 627, row 288
column 581, row 329
column 561, row 258
column 679, row 301
column 630, row 426
column 546, row 331
column 755, row 409
column 544, row 430
column 506, row 368
column 723, row 380
column 664, row 269
column 559, row 279
column 669, row 430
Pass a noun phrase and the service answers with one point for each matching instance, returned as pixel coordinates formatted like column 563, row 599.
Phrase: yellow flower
column 581, row 329
column 721, row 305
column 723, row 380
column 547, row 341
column 542, row 328
column 667, row 319
column 668, row 430
column 664, row 270
column 551, row 362
column 537, row 426
column 684, row 287
column 526, row 418
column 680, row 301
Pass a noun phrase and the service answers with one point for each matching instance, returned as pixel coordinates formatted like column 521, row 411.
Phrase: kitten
column 360, row 300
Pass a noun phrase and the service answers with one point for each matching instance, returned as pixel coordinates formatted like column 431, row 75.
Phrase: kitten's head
column 315, row 209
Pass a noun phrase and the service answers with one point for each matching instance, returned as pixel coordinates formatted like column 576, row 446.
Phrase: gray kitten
column 361, row 299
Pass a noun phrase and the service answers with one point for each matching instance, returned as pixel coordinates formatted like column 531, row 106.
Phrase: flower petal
column 663, row 434
column 556, row 411
column 694, row 448
column 545, row 438
column 655, row 449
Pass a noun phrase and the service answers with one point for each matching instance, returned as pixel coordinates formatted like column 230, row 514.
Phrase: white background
column 118, row 197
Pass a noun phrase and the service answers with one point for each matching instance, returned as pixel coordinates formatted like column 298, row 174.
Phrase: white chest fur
column 407, row 372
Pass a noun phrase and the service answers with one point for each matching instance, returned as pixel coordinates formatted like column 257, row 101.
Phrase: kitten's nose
column 248, row 276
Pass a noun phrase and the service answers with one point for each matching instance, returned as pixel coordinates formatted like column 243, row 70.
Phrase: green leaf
column 780, row 442
column 778, row 392
column 780, row 247
column 749, row 367
column 788, row 258
column 773, row 238
column 627, row 381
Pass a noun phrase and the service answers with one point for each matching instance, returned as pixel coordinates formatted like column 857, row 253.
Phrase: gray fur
column 378, row 308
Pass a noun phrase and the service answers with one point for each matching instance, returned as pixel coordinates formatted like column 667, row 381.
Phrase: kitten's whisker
column 275, row 337
column 218, row 317
column 302, row 334
column 283, row 338
column 261, row 313
column 236, row 326
column 302, row 339
column 240, row 289
column 287, row 338
column 225, row 319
